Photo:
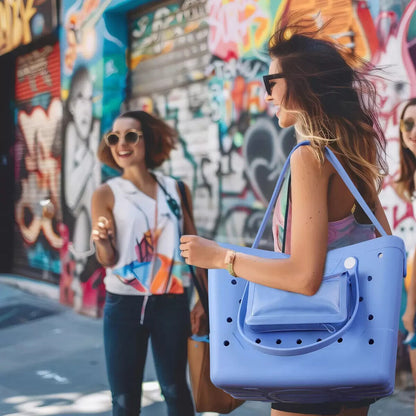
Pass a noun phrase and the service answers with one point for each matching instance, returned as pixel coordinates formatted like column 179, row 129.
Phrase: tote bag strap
column 344, row 176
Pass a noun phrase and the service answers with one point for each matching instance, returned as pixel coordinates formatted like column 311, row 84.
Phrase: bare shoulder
column 305, row 162
column 103, row 195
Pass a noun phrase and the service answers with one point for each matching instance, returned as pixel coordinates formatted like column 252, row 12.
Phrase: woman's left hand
column 201, row 252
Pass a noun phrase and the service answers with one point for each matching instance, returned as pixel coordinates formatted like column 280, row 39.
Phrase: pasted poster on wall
column 85, row 70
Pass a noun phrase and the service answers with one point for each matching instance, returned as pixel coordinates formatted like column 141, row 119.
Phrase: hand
column 408, row 319
column 102, row 231
column 199, row 320
column 201, row 252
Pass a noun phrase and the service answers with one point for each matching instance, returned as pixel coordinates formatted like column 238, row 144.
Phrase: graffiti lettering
column 249, row 69
column 236, row 23
column 15, row 24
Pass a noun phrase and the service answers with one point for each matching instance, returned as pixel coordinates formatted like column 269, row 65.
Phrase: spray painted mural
column 23, row 21
column 198, row 64
column 38, row 164
column 208, row 85
column 86, row 74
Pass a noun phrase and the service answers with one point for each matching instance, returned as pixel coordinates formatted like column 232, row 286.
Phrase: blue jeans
column 166, row 321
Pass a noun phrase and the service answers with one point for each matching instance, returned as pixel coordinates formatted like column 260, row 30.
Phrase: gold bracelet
column 229, row 262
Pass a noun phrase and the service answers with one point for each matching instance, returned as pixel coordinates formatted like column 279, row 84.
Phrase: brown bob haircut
column 159, row 140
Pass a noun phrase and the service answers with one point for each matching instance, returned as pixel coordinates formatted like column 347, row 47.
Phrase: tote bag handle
column 352, row 271
column 344, row 176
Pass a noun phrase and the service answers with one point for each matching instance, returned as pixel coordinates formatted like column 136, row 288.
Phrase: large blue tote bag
column 338, row 345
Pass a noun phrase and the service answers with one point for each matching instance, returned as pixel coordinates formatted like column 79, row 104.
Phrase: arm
column 103, row 230
column 302, row 271
column 199, row 321
column 409, row 314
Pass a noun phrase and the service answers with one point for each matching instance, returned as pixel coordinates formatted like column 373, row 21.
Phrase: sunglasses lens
column 267, row 85
column 131, row 137
column 408, row 125
column 112, row 139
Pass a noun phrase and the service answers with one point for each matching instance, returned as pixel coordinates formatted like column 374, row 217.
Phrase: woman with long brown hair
column 315, row 88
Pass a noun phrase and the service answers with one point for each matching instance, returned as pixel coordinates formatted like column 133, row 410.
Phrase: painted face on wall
column 129, row 149
column 275, row 95
column 81, row 107
column 408, row 128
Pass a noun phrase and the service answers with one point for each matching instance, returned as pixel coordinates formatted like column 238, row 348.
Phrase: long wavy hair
column 333, row 100
column 405, row 184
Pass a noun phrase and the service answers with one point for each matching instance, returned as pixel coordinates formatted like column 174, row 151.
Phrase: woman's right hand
column 102, row 230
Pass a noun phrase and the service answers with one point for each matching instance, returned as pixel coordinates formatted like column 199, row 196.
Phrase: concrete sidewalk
column 52, row 361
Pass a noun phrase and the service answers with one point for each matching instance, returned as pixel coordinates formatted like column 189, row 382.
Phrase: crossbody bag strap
column 200, row 287
column 344, row 176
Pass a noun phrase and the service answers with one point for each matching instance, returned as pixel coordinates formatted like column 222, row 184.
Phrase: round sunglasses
column 131, row 136
column 407, row 125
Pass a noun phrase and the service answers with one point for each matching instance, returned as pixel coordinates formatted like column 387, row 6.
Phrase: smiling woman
column 138, row 221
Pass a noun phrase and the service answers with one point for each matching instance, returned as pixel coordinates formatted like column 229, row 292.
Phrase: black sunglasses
column 407, row 125
column 268, row 78
column 131, row 136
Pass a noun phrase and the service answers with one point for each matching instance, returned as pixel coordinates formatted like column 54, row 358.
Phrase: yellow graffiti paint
column 15, row 20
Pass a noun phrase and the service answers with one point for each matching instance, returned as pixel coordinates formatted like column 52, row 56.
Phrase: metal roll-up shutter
column 168, row 47
column 37, row 241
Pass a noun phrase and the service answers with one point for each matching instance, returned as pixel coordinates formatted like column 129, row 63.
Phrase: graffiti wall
column 198, row 64
column 24, row 21
column 93, row 72
column 38, row 164
column 206, row 81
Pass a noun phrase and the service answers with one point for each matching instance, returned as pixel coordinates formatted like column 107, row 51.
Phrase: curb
column 34, row 287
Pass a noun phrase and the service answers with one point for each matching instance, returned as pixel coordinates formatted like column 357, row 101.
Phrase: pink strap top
column 341, row 233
